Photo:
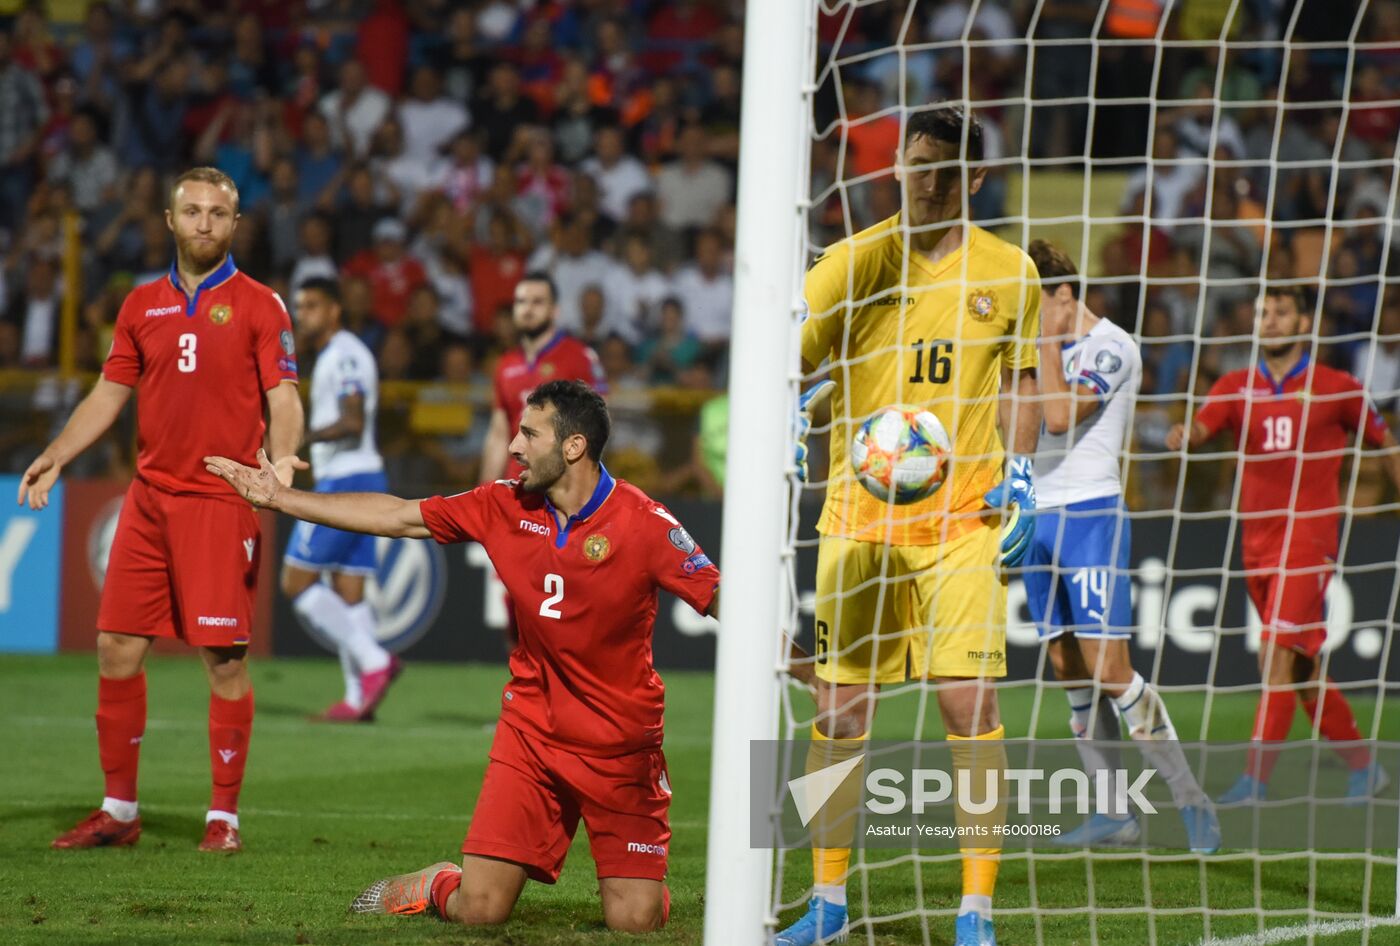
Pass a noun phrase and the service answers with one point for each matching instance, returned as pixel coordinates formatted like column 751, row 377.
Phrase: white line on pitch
column 1292, row 934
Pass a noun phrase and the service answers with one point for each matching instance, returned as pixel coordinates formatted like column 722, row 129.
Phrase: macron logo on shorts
column 633, row 847
column 206, row 621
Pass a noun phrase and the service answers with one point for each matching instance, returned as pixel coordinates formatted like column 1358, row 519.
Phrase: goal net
column 1184, row 155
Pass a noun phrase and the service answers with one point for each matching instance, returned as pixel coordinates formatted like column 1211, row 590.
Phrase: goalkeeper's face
column 932, row 177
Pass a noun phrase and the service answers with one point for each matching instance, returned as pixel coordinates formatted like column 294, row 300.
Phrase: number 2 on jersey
column 554, row 584
column 1278, row 433
column 187, row 343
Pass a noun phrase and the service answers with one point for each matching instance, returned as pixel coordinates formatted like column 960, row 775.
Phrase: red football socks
column 1338, row 724
column 230, row 725
column 443, row 885
column 1272, row 721
column 121, row 722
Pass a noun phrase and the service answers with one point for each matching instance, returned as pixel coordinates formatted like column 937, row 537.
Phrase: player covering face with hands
column 583, row 556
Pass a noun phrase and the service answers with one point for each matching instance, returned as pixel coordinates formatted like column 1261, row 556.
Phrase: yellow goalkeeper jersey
column 934, row 338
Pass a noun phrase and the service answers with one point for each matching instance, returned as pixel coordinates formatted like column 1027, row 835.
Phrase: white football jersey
column 1084, row 462
column 345, row 366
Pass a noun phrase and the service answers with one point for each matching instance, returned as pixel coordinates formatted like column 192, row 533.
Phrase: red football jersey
column 585, row 600
column 202, row 365
column 562, row 358
column 1311, row 415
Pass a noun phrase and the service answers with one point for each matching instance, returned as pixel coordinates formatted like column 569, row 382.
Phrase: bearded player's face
column 203, row 217
column 932, row 180
column 537, row 449
column 1281, row 325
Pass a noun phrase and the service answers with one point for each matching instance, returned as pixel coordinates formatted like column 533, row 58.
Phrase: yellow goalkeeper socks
column 834, row 827
column 977, row 755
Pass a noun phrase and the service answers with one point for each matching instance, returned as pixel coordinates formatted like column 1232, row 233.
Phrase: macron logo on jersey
column 527, row 526
column 163, row 310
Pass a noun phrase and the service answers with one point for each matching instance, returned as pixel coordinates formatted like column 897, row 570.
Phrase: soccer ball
column 901, row 456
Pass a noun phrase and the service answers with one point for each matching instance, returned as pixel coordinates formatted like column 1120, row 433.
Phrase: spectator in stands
column 430, row 119
column 593, row 317
column 1377, row 362
column 637, row 289
column 35, row 313
column 454, row 295
column 707, row 290
column 355, row 110
column 619, row 176
column 314, row 260
column 644, row 221
column 720, row 115
column 23, row 114
column 494, row 266
column 692, row 188
column 318, row 164
column 576, row 117
column 282, row 214
column 1173, row 177
column 674, row 348
column 360, row 209
column 393, row 274
column 1171, row 360
column 573, row 263
column 462, row 61
column 86, row 166
column 402, row 180
column 502, row 108
column 469, row 172
column 541, row 183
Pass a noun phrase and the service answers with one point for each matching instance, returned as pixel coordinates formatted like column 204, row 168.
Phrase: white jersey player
column 1077, row 569
column 344, row 459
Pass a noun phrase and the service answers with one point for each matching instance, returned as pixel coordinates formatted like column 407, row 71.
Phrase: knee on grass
column 479, row 907
column 634, row 915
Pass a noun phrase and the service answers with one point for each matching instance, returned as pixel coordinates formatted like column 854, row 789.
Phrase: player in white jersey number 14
column 1076, row 573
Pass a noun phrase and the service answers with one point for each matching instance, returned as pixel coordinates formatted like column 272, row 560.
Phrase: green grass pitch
column 328, row 809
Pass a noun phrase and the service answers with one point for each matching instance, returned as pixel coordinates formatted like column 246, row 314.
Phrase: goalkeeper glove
column 1015, row 496
column 807, row 402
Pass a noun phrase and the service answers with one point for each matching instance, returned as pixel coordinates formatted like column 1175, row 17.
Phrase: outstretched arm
column 372, row 513
column 89, row 421
column 285, row 422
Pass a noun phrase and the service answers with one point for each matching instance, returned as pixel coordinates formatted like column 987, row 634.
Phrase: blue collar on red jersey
column 554, row 339
column 221, row 275
column 1293, row 372
column 600, row 494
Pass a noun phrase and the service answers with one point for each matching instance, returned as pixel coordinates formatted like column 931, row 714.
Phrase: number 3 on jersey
column 554, row 585
column 188, row 342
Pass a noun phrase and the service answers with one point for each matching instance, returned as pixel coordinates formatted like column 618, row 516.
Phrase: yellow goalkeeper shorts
column 888, row 613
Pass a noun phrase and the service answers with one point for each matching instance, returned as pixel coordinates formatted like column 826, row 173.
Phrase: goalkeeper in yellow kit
column 922, row 310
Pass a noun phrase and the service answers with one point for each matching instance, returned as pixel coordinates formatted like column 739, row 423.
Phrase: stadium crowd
column 429, row 152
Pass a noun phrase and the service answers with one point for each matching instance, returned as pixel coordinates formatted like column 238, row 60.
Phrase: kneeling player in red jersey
column 1295, row 420
column 583, row 556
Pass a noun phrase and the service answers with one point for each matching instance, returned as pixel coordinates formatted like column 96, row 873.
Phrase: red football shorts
column 182, row 566
column 534, row 795
column 1291, row 603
